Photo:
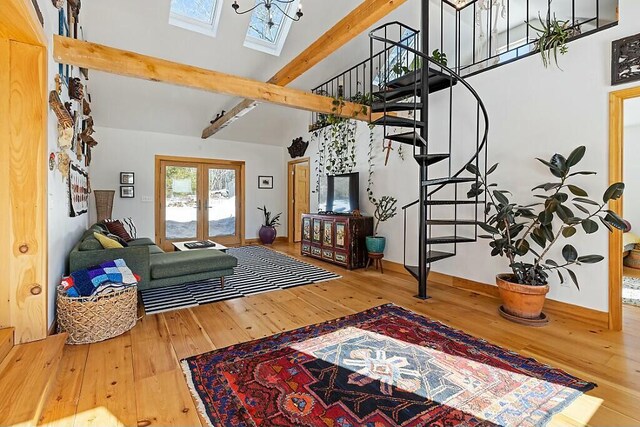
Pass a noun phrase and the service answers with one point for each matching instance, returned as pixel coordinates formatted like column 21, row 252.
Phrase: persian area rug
column 631, row 291
column 383, row 367
column 259, row 270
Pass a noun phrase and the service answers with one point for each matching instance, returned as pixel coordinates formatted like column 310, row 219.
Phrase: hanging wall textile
column 625, row 60
column 78, row 191
column 386, row 366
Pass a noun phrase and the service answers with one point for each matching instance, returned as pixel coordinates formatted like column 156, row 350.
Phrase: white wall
column 534, row 112
column 631, row 199
column 134, row 151
column 64, row 231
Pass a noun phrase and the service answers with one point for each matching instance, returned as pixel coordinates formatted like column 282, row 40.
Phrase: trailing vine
column 370, row 157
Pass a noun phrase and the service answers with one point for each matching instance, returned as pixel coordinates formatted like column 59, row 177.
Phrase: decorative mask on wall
column 76, row 89
column 298, row 148
column 58, row 3
column 63, row 164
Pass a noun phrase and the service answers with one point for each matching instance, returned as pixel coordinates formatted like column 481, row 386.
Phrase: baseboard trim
column 279, row 239
column 582, row 314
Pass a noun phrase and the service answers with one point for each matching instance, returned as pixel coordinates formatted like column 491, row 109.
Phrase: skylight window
column 265, row 38
column 201, row 16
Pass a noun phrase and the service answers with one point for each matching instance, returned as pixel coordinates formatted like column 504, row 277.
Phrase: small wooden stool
column 377, row 261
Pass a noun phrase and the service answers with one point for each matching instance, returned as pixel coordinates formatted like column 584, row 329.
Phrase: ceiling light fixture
column 268, row 4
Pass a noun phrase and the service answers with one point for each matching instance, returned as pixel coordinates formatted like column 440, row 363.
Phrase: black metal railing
column 354, row 84
column 475, row 36
column 478, row 35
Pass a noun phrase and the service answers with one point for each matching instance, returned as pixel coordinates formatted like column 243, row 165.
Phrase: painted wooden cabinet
column 339, row 239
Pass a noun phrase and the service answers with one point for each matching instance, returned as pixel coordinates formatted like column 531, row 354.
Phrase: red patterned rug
column 383, row 367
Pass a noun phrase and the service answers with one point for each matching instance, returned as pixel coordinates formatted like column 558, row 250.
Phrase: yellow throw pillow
column 107, row 242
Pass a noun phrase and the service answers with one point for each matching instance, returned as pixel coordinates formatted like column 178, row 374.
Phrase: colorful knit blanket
column 87, row 282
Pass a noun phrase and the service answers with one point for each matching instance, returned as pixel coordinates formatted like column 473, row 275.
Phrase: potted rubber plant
column 268, row 230
column 525, row 234
column 385, row 210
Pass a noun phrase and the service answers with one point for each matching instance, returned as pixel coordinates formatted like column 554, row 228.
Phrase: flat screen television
column 339, row 193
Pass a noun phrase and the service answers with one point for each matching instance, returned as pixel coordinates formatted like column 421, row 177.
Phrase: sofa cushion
column 173, row 264
column 154, row 249
column 143, row 241
column 117, row 228
column 107, row 242
column 90, row 244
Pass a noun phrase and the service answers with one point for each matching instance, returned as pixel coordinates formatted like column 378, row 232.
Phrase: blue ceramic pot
column 267, row 235
column 375, row 244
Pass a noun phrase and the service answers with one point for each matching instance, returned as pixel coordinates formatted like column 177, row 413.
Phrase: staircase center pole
column 423, row 270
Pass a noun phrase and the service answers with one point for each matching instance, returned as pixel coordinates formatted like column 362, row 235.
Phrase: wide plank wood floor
column 136, row 379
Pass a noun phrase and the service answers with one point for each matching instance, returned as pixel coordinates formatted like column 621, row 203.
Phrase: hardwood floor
column 136, row 378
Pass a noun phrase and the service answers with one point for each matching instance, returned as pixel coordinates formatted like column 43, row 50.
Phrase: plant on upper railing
column 513, row 228
column 552, row 37
column 399, row 69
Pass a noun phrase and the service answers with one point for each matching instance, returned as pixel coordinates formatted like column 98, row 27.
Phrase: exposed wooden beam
column 357, row 21
column 130, row 64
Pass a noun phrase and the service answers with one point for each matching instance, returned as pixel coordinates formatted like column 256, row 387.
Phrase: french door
column 199, row 199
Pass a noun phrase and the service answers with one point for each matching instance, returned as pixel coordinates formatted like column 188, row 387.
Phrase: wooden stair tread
column 6, row 342
column 26, row 377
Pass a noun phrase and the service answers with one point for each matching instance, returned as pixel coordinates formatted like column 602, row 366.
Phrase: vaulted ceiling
column 143, row 26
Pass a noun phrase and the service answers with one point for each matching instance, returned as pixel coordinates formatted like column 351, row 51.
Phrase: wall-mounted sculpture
column 298, row 147
column 625, row 60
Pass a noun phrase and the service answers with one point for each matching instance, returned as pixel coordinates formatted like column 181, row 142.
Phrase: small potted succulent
column 524, row 234
column 268, row 230
column 385, row 210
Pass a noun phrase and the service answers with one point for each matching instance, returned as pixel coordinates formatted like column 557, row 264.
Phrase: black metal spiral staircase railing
column 403, row 103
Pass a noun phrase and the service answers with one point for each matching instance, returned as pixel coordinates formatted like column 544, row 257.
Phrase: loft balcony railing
column 478, row 35
column 475, row 36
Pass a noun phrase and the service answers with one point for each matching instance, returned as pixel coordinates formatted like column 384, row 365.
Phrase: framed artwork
column 78, row 191
column 625, row 60
column 316, row 230
column 127, row 178
column 265, row 182
column 127, row 192
column 306, row 229
column 328, row 233
column 340, row 234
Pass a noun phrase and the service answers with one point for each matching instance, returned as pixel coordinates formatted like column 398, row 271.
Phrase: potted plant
column 385, row 210
column 268, row 230
column 525, row 234
column 553, row 37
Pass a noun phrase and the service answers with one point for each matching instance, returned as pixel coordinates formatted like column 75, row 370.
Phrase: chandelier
column 268, row 5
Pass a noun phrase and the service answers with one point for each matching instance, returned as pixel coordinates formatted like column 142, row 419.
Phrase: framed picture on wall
column 127, row 192
column 127, row 178
column 265, row 182
column 625, row 60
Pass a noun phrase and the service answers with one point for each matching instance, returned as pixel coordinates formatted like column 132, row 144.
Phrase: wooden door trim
column 24, row 295
column 290, row 207
column 616, row 167
column 159, row 190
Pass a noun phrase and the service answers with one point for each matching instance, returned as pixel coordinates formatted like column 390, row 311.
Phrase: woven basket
column 97, row 318
column 633, row 259
column 104, row 203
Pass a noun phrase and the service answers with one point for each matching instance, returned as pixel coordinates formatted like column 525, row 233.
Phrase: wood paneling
column 24, row 206
column 5, row 212
column 6, row 342
column 19, row 21
column 357, row 21
column 616, row 165
column 130, row 64
column 609, row 358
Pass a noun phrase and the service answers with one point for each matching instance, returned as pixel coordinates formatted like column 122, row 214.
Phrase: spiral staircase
column 403, row 105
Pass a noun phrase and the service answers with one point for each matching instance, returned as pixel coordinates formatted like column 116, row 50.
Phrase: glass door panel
column 181, row 202
column 222, row 205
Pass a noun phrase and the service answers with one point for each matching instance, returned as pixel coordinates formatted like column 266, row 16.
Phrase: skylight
column 201, row 16
column 269, row 40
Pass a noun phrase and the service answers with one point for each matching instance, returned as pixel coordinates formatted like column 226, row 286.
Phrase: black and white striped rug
column 259, row 270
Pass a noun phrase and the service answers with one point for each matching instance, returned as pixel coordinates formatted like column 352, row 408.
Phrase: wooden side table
column 377, row 261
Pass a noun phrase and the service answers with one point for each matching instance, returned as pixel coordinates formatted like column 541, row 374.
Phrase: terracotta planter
column 521, row 300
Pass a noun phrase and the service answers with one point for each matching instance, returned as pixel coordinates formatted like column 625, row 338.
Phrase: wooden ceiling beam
column 130, row 64
column 356, row 22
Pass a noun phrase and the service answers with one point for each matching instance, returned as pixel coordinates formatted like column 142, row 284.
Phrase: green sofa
column 156, row 267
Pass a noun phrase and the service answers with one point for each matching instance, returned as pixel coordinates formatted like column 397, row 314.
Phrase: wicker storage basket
column 633, row 259
column 97, row 318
